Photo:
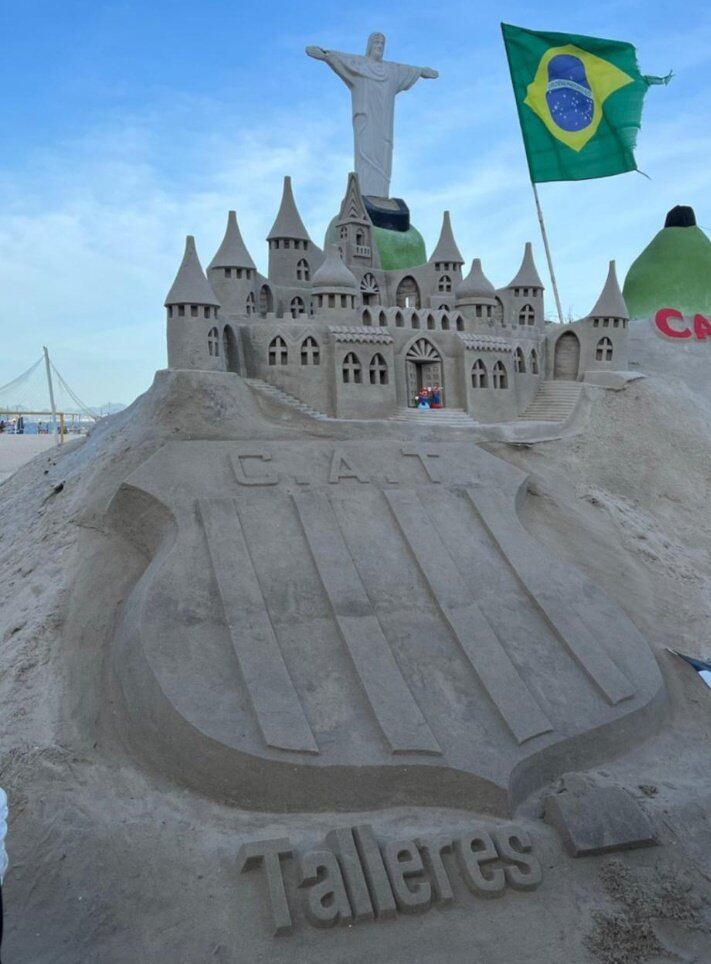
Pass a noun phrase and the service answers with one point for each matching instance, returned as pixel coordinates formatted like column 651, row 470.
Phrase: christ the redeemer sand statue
column 373, row 84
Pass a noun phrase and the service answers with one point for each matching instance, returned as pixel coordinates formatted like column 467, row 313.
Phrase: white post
column 51, row 394
column 548, row 253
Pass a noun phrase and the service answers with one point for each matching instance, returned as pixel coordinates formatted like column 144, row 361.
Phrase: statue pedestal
column 400, row 245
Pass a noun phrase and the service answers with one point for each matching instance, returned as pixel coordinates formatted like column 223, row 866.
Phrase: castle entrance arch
column 229, row 344
column 423, row 368
column 567, row 357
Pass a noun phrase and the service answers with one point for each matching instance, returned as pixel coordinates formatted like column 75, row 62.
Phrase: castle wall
column 309, row 382
column 187, row 338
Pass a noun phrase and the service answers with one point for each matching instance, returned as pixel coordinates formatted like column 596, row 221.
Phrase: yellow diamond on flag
column 568, row 91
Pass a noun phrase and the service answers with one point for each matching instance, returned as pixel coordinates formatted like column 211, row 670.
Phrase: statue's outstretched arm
column 429, row 73
column 335, row 61
column 318, row 53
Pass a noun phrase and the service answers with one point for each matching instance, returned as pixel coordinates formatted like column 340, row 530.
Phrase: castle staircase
column 453, row 417
column 554, row 401
column 277, row 395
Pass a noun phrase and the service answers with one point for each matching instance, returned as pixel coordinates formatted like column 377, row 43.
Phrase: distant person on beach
column 21, row 425
column 2, row 425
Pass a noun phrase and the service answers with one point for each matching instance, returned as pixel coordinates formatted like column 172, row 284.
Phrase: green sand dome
column 397, row 249
column 673, row 271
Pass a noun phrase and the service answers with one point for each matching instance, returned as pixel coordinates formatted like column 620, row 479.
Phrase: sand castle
column 358, row 329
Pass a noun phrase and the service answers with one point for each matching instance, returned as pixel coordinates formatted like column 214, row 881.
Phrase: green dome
column 397, row 249
column 673, row 271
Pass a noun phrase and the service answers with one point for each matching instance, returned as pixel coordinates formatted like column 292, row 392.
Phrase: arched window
column 351, row 369
column 302, row 270
column 250, row 306
column 444, row 321
column 519, row 362
column 266, row 300
column 408, row 294
column 603, row 352
column 297, row 307
column 278, row 352
column 415, row 320
column 382, row 319
column 443, row 308
column 378, row 370
column 499, row 376
column 229, row 347
column 431, row 322
column 460, row 323
column 444, row 283
column 359, row 237
column 534, row 361
column 399, row 320
column 526, row 315
column 310, row 352
column 369, row 289
column 479, row 375
column 213, row 342
column 367, row 319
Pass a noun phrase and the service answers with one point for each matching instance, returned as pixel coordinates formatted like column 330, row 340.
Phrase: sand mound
column 112, row 862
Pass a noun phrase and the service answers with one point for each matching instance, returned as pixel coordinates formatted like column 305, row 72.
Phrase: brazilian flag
column 579, row 101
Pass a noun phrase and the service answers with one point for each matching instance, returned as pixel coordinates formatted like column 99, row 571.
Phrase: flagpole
column 548, row 252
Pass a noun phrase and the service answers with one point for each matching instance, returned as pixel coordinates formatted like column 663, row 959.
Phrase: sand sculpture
column 320, row 661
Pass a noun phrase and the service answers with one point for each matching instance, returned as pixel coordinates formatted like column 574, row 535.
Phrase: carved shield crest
column 355, row 624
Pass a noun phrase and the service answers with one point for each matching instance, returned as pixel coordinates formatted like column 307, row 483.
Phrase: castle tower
column 232, row 273
column 354, row 229
column 446, row 265
column 193, row 326
column 606, row 328
column 291, row 250
column 475, row 296
column 523, row 296
column 334, row 289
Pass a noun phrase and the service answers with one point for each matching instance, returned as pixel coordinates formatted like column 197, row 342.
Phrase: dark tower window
column 378, row 370
column 500, row 376
column 310, row 352
column 302, row 270
column 278, row 352
column 213, row 342
column 351, row 369
column 603, row 352
column 479, row 376
column 526, row 315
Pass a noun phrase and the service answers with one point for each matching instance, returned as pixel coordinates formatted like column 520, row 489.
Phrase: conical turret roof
column 527, row 275
column 446, row 249
column 190, row 285
column 333, row 274
column 475, row 285
column 233, row 252
column 288, row 222
column 610, row 304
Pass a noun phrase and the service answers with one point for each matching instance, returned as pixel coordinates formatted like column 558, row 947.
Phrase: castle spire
column 610, row 304
column 288, row 222
column 446, row 250
column 527, row 275
column 233, row 252
column 191, row 287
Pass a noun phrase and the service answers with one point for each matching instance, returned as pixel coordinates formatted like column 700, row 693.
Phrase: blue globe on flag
column 570, row 99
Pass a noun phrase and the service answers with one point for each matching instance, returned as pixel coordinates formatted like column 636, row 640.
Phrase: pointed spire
column 610, row 304
column 333, row 275
column 352, row 206
column 475, row 287
column 446, row 249
column 288, row 222
column 191, row 287
column 233, row 252
column 527, row 276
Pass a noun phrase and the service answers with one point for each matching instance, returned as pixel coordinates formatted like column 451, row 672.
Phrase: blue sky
column 128, row 125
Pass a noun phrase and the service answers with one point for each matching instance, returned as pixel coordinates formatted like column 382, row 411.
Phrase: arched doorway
column 229, row 346
column 567, row 357
column 423, row 368
column 408, row 294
